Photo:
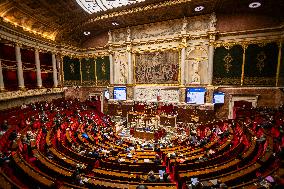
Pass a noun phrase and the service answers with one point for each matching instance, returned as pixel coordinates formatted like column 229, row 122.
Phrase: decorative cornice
column 136, row 10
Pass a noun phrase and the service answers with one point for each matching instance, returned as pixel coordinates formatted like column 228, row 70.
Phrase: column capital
column 128, row 48
column 53, row 52
column 183, row 43
column 212, row 37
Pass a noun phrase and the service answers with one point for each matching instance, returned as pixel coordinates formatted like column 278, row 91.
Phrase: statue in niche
column 184, row 25
column 109, row 36
column 195, row 75
column 213, row 21
column 123, row 72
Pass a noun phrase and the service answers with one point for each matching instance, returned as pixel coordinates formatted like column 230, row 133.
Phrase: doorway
column 237, row 102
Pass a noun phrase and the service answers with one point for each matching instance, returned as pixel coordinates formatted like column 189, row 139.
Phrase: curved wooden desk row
column 217, row 169
column 51, row 165
column 6, row 182
column 192, row 155
column 46, row 181
column 33, row 174
column 244, row 173
column 228, row 156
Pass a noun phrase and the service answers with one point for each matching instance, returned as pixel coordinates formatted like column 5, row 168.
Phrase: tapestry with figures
column 102, row 70
column 261, row 64
column 227, row 65
column 88, row 71
column 71, row 68
column 157, row 67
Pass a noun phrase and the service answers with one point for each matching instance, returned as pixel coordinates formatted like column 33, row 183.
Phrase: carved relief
column 213, row 21
column 151, row 94
column 195, row 75
column 166, row 28
column 121, row 64
column 34, row 92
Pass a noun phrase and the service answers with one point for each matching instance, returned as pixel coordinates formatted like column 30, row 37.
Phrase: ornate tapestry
column 261, row 64
column 157, row 67
column 227, row 65
column 71, row 68
column 88, row 71
column 102, row 70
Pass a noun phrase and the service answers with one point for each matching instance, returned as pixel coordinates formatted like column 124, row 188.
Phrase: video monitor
column 119, row 93
column 218, row 98
column 195, row 95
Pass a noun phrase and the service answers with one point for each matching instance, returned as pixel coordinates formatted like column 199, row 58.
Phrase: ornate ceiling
column 66, row 21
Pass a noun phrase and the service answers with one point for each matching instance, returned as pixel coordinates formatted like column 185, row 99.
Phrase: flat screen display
column 119, row 93
column 195, row 95
column 218, row 98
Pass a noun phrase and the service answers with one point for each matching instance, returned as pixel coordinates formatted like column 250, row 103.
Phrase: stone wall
column 242, row 22
column 82, row 93
column 99, row 40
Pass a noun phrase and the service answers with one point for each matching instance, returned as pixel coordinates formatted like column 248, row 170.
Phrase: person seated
column 166, row 177
column 4, row 126
column 4, row 158
column 151, row 177
column 157, row 160
column 13, row 135
column 223, row 186
column 49, row 154
column 141, row 186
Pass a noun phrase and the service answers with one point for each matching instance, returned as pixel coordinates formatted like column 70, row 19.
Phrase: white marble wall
column 187, row 33
column 151, row 94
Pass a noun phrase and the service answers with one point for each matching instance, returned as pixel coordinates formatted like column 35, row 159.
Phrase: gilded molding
column 26, row 93
column 136, row 10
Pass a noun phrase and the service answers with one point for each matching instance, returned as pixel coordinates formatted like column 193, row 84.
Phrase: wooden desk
column 144, row 135
column 32, row 172
column 52, row 165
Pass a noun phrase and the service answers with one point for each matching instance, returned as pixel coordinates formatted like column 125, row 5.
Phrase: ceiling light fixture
column 254, row 5
column 115, row 23
column 87, row 33
column 198, row 8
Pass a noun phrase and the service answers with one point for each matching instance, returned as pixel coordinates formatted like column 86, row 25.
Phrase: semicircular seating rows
column 67, row 144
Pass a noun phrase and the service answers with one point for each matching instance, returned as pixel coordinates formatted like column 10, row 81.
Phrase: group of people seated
column 75, row 117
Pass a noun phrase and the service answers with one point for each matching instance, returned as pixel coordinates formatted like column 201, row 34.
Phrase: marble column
column 129, row 55
column 38, row 71
column 2, row 86
column 111, row 77
column 59, row 73
column 210, row 64
column 182, row 67
column 102, row 102
column 20, row 73
column 54, row 71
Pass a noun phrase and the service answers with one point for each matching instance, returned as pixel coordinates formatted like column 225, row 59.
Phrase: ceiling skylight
column 93, row 6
